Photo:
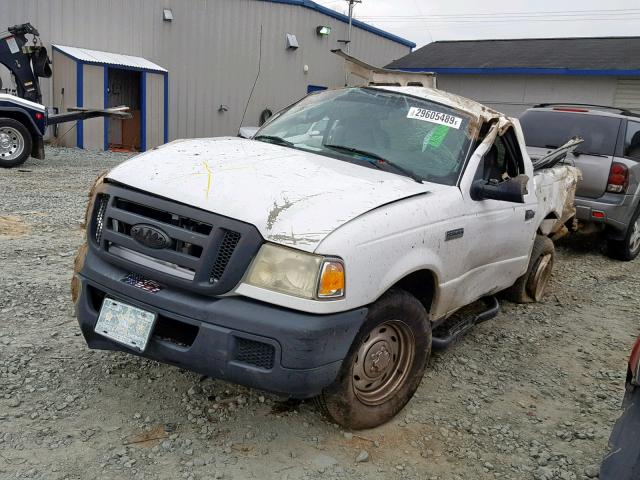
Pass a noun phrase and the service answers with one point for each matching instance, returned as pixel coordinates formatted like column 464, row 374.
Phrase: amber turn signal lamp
column 332, row 281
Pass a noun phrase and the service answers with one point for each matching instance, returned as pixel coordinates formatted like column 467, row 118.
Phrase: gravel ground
column 531, row 394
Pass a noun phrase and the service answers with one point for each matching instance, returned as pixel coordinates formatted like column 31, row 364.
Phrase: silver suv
column 608, row 195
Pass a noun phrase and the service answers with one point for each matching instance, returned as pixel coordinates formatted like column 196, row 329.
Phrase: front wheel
column 628, row 248
column 15, row 143
column 384, row 366
column 531, row 286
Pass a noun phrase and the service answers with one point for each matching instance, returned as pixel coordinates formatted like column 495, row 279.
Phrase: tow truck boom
column 23, row 118
column 27, row 62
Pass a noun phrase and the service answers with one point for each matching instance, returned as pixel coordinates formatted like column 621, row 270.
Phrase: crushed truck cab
column 320, row 257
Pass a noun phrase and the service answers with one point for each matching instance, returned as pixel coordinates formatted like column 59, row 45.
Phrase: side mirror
column 511, row 190
column 247, row 132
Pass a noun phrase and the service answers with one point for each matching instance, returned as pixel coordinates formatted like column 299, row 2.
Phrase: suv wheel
column 384, row 366
column 628, row 248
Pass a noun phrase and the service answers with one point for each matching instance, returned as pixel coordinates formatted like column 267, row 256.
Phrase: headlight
column 297, row 273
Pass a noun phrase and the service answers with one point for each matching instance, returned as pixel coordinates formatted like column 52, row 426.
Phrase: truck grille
column 172, row 243
column 101, row 202
column 229, row 244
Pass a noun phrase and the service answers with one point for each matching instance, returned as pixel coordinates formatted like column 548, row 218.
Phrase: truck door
column 499, row 233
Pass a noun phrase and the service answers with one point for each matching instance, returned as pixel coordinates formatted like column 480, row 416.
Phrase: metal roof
column 557, row 56
column 108, row 58
column 344, row 18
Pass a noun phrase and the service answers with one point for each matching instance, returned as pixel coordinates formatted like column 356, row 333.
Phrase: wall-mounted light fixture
column 323, row 31
column 167, row 15
column 292, row 41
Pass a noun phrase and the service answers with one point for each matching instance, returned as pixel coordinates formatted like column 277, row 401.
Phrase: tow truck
column 23, row 117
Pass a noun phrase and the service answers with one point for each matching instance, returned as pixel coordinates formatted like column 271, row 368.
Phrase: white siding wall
column 628, row 93
column 211, row 50
column 5, row 76
column 155, row 110
column 513, row 94
column 63, row 95
column 93, row 93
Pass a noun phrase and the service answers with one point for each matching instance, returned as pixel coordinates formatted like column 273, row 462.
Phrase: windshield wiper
column 378, row 161
column 274, row 139
column 577, row 153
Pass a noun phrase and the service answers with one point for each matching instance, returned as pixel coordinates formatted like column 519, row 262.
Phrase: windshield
column 379, row 129
column 547, row 129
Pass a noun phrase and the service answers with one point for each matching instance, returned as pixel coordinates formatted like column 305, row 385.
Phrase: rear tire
column 531, row 286
column 15, row 143
column 628, row 248
column 384, row 366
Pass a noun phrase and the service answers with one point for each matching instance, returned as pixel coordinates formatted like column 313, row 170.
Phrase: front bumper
column 618, row 209
column 231, row 338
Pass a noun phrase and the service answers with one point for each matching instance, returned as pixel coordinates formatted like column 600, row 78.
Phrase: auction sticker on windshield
column 432, row 116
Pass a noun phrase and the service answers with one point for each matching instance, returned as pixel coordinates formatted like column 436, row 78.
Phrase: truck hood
column 292, row 197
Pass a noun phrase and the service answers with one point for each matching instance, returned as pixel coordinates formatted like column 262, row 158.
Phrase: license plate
column 125, row 324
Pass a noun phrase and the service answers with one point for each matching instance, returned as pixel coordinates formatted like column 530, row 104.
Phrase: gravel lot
column 531, row 394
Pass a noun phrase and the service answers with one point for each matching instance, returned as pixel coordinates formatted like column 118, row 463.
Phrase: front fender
column 415, row 261
column 383, row 246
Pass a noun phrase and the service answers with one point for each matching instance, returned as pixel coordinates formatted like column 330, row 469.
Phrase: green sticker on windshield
column 435, row 137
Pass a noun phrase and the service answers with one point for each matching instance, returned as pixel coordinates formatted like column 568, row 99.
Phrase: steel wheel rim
column 541, row 277
column 634, row 238
column 11, row 143
column 382, row 362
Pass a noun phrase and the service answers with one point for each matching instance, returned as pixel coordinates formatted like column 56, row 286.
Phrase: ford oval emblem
column 149, row 236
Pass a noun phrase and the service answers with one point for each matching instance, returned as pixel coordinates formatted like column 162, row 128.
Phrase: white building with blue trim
column 190, row 68
column 513, row 75
column 104, row 79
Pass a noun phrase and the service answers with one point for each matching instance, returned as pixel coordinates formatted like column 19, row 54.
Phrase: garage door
column 628, row 93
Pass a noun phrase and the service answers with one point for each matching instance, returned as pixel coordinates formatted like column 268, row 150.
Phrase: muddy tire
column 384, row 366
column 628, row 248
column 15, row 143
column 531, row 286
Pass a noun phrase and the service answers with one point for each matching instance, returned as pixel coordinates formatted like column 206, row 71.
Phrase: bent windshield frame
column 375, row 128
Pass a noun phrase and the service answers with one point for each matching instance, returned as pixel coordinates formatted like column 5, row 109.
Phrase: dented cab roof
column 478, row 110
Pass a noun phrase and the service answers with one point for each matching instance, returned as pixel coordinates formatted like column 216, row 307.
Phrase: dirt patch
column 148, row 438
column 13, row 227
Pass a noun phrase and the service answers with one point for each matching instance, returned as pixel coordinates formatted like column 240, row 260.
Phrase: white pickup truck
column 317, row 258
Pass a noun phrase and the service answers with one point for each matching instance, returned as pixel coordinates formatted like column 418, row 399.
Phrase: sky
column 424, row 21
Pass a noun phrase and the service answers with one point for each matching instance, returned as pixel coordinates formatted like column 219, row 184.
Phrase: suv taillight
column 618, row 178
